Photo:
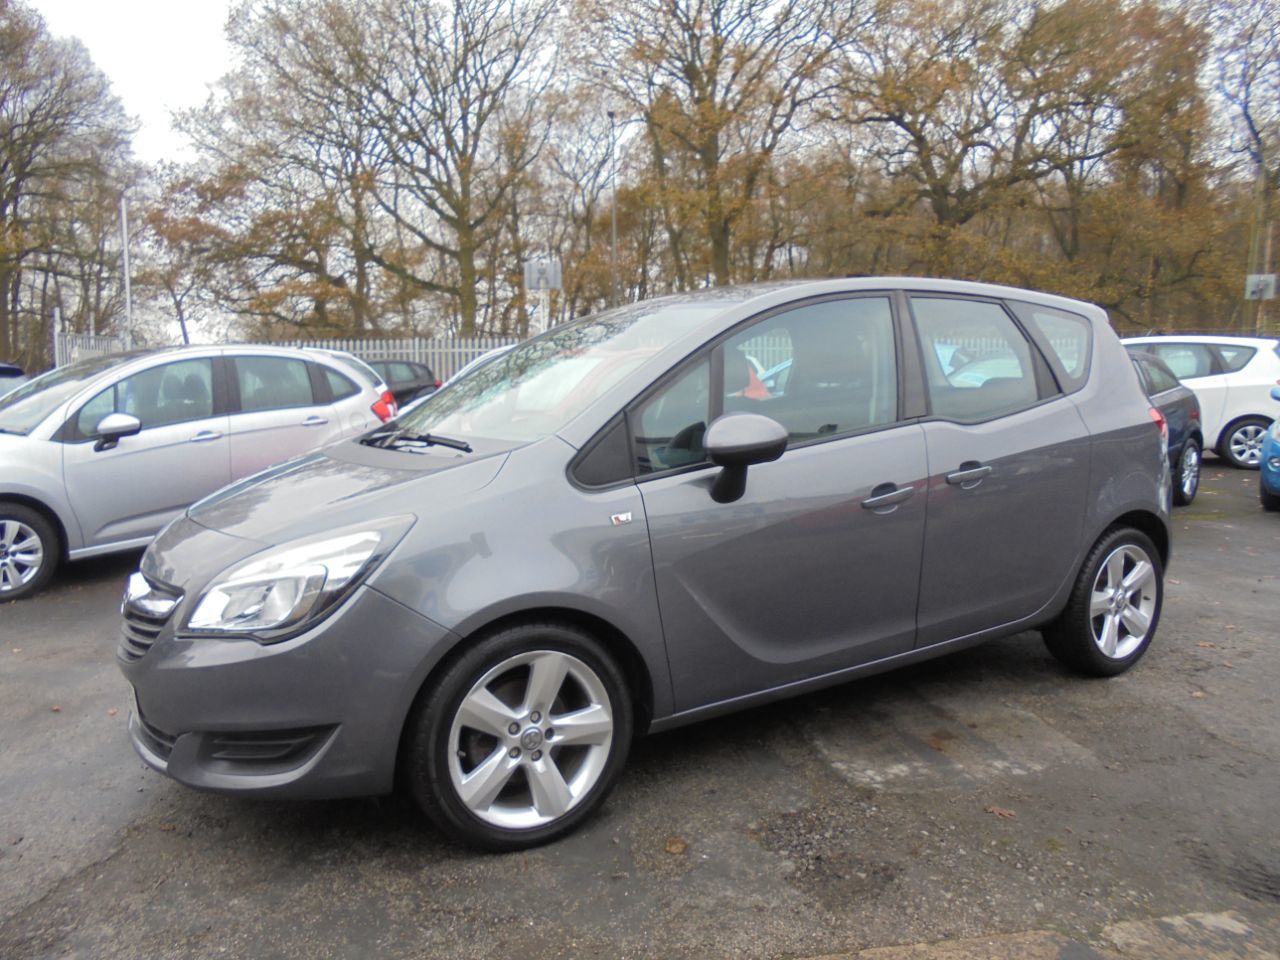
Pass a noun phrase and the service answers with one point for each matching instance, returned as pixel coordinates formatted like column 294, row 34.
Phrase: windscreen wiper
column 426, row 439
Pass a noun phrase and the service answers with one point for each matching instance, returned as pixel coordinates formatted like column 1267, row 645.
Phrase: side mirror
column 114, row 426
column 734, row 442
column 1275, row 393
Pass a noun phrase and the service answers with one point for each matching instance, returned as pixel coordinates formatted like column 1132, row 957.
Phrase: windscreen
column 24, row 409
column 539, row 386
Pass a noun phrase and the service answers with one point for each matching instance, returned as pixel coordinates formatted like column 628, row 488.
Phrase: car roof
column 1261, row 343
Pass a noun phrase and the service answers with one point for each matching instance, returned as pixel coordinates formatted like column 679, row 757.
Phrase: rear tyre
column 520, row 739
column 29, row 551
column 1241, row 443
column 1114, row 607
column 1187, row 482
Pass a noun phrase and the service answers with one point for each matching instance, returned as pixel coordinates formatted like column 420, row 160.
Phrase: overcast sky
column 160, row 55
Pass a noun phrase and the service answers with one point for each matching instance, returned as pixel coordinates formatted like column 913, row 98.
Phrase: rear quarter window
column 1066, row 337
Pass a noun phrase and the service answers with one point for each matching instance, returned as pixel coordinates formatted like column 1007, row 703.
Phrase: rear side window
column 401, row 372
column 1069, row 339
column 1185, row 359
column 1234, row 357
column 978, row 364
column 1160, row 378
column 272, row 383
column 339, row 385
column 171, row 393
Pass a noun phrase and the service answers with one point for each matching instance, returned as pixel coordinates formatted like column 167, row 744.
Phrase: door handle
column 970, row 474
column 204, row 436
column 887, row 496
column 315, row 421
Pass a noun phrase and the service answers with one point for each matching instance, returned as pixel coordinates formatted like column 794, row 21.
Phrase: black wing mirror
column 734, row 442
column 114, row 426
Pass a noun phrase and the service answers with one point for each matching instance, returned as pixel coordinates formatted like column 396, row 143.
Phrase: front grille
column 159, row 742
column 146, row 609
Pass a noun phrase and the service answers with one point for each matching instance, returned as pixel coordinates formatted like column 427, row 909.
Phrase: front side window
column 1186, row 360
column 272, row 383
column 978, row 364
column 171, row 393
column 668, row 429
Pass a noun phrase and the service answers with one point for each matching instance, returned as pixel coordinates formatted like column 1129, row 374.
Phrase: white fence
column 444, row 355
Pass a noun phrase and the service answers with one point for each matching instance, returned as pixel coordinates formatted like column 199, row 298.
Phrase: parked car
column 604, row 532
column 1269, row 472
column 1232, row 378
column 408, row 380
column 11, row 377
column 1181, row 410
column 96, row 456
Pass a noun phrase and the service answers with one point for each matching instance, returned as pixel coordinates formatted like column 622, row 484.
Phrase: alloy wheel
column 21, row 555
column 1123, row 601
column 530, row 739
column 1246, row 444
column 1189, row 472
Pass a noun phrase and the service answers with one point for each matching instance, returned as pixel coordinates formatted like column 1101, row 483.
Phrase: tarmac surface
column 987, row 804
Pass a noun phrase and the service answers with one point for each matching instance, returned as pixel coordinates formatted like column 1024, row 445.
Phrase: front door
column 816, row 567
column 132, row 490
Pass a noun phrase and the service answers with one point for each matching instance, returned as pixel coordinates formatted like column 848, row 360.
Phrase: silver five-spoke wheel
column 21, row 555
column 530, row 739
column 1123, row 601
column 1246, row 444
column 1189, row 472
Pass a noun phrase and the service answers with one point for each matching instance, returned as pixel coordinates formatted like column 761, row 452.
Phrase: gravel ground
column 982, row 795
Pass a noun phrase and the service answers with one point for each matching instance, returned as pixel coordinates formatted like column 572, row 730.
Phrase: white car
column 1232, row 378
column 97, row 456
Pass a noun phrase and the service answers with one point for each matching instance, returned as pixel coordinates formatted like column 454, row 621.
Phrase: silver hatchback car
column 619, row 527
column 98, row 455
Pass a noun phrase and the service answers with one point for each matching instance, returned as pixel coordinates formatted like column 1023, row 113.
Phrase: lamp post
column 613, row 211
column 128, row 292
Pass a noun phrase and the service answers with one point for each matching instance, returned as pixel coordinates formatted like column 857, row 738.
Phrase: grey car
column 617, row 528
column 97, row 456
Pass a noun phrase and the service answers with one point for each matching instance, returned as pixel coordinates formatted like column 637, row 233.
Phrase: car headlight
column 283, row 590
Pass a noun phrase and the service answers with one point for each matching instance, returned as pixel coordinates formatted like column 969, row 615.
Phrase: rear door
column 182, row 453
column 1008, row 470
column 816, row 567
column 278, row 412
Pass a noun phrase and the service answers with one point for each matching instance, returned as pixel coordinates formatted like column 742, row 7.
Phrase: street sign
column 1260, row 286
column 542, row 273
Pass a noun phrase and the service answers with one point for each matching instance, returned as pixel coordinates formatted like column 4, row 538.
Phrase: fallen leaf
column 1207, row 644
column 1001, row 812
column 17, row 649
column 1178, row 582
column 676, row 846
column 1229, row 626
column 168, row 827
column 1228, row 663
column 56, row 709
column 1198, row 695
column 112, row 712
column 937, row 744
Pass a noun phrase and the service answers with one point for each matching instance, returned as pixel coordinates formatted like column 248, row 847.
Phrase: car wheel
column 28, row 551
column 1270, row 501
column 1114, row 607
column 521, row 738
column 1187, row 481
column 1242, row 442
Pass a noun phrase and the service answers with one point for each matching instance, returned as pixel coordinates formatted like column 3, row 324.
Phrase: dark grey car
column 617, row 528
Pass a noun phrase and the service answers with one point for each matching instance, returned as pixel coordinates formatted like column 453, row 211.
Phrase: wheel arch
column 1148, row 523
column 46, row 511
column 1234, row 422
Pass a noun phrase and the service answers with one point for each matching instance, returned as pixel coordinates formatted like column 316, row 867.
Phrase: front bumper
column 316, row 716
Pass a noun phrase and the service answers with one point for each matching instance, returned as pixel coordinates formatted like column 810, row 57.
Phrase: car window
column 401, row 372
column 668, row 428
column 1234, row 357
column 1184, row 359
column 839, row 361
column 170, row 393
column 995, row 375
column 341, row 386
column 1160, row 378
column 272, row 383
column 1068, row 337
column 23, row 408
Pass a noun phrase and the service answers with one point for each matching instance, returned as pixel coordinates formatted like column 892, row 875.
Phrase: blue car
column 1269, row 482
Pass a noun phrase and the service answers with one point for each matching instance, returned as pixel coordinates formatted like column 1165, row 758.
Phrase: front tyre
column 29, row 551
column 1114, row 608
column 521, row 738
column 1187, row 482
column 1270, row 501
